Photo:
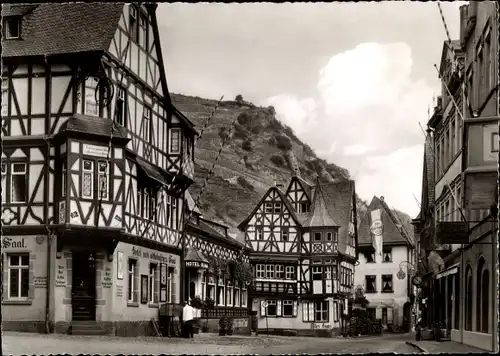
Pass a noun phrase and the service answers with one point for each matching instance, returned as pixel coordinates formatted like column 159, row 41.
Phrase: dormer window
column 12, row 27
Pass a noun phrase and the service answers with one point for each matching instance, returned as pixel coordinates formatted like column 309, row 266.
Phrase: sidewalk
column 436, row 347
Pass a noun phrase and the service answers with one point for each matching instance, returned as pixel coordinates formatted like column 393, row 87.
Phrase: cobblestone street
column 27, row 343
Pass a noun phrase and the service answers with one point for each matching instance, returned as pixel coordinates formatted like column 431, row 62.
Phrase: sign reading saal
column 93, row 150
column 14, row 242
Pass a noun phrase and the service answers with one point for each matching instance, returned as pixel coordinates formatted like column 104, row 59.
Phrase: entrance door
column 83, row 290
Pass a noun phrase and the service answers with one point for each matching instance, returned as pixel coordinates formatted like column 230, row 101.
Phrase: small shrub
column 244, row 119
column 271, row 110
column 223, row 133
column 256, row 129
column 240, row 132
column 272, row 141
column 275, row 125
column 283, row 142
column 277, row 160
column 247, row 145
column 238, row 98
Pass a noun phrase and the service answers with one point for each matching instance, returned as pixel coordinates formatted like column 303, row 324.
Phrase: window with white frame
column 268, row 207
column 103, row 179
column 203, row 286
column 271, row 309
column 277, row 208
column 121, row 107
column 321, row 311
column 88, row 179
column 317, row 236
column 12, row 27
column 270, row 271
column 279, row 272
column 328, row 236
column 290, row 272
column 18, row 276
column 146, row 124
column 288, row 308
column 132, row 295
column 220, row 292
column 146, row 201
column 171, row 287
column 91, row 106
column 211, row 288
column 244, row 297
column 284, row 234
column 229, row 294
column 175, row 137
column 328, row 272
column 260, row 271
column 152, row 283
column 18, row 183
column 317, row 273
column 4, row 182
column 133, row 27
column 237, row 297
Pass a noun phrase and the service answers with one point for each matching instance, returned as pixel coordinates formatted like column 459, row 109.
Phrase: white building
column 386, row 259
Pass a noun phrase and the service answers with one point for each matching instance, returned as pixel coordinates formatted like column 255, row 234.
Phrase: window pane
column 14, row 283
column 25, row 260
column 18, row 188
column 14, row 260
column 24, row 282
column 87, row 184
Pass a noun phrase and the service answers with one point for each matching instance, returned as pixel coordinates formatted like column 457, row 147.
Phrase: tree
column 239, row 98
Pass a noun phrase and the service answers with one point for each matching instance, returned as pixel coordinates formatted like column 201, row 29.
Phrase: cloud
column 365, row 118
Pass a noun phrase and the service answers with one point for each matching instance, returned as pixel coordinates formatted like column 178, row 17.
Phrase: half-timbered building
column 386, row 266
column 95, row 163
column 302, row 245
column 214, row 264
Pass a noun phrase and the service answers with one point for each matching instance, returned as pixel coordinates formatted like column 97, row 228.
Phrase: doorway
column 83, row 290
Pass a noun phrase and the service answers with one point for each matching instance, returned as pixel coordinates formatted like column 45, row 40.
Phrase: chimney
column 464, row 9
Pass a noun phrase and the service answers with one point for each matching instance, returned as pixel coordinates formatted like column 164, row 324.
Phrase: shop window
column 321, row 312
column 244, row 297
column 387, row 283
column 171, row 286
column 132, row 281
column 288, row 308
column 18, row 182
column 152, row 283
column 237, row 297
column 18, row 276
column 387, row 254
column 271, row 308
column 371, row 284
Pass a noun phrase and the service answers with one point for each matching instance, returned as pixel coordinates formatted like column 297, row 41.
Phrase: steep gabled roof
column 285, row 201
column 428, row 181
column 392, row 233
column 321, row 215
column 52, row 28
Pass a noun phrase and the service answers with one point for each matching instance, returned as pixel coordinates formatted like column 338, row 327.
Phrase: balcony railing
column 219, row 312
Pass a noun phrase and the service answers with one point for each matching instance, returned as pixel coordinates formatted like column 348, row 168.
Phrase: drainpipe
column 462, row 305
column 47, row 294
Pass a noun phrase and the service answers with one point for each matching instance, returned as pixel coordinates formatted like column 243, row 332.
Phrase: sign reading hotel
column 197, row 264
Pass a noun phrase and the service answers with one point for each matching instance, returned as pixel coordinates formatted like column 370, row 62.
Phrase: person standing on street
column 187, row 321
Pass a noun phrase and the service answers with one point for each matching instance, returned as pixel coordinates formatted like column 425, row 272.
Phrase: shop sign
column 40, row 282
column 119, row 291
column 107, row 280
column 321, row 326
column 156, row 256
column 60, row 276
column 14, row 242
column 93, row 150
column 456, row 232
column 196, row 264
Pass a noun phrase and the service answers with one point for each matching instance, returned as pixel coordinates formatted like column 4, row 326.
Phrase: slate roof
column 321, row 216
column 93, row 125
column 54, row 28
column 154, row 172
column 193, row 254
column 190, row 203
column 391, row 232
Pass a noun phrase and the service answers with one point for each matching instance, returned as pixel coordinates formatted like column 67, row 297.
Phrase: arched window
column 483, row 284
column 468, row 298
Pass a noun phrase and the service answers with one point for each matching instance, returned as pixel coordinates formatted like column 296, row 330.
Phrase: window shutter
column 294, row 308
column 278, row 307
column 389, row 315
column 311, row 311
column 378, row 313
column 262, row 308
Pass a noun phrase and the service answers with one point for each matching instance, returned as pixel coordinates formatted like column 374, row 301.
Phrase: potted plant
column 208, row 304
column 229, row 326
column 223, row 323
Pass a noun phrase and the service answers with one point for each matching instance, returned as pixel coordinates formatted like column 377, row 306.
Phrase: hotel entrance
column 83, row 292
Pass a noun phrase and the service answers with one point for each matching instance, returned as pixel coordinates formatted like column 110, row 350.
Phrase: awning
column 450, row 270
column 152, row 172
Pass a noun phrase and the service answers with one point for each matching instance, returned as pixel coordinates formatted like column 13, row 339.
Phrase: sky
column 353, row 80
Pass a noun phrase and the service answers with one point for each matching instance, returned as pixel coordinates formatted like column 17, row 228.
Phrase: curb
column 418, row 347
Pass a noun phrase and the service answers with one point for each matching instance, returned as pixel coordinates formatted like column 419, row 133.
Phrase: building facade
column 215, row 269
column 302, row 245
column 95, row 163
column 386, row 265
column 462, row 293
